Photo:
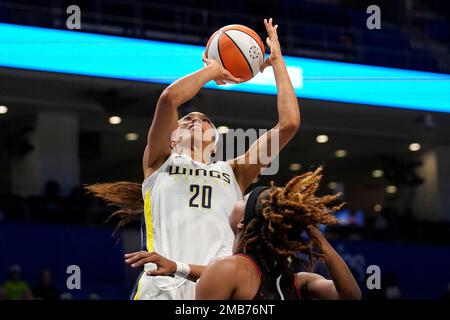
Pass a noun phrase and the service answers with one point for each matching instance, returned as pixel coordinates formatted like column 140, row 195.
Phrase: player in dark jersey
column 275, row 238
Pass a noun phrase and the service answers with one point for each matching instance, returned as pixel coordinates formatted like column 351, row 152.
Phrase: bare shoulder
column 235, row 266
column 227, row 264
column 217, row 280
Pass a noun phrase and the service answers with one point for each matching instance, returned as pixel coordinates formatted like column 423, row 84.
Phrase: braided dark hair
column 284, row 213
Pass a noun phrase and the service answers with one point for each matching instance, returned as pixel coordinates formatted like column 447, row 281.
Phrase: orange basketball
column 238, row 49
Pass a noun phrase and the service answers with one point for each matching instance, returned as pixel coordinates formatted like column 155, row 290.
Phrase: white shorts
column 164, row 288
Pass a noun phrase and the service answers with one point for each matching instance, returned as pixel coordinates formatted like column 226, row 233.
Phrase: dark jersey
column 273, row 285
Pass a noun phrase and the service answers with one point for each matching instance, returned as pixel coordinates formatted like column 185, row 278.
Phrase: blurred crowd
column 15, row 287
column 390, row 225
column 387, row 225
column 79, row 208
column 52, row 207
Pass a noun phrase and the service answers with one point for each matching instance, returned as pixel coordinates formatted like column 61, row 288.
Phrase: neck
column 268, row 259
column 196, row 154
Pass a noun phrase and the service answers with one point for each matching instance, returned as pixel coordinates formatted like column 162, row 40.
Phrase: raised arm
column 342, row 286
column 166, row 113
column 244, row 167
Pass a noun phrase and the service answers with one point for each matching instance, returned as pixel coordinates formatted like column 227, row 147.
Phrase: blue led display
column 89, row 54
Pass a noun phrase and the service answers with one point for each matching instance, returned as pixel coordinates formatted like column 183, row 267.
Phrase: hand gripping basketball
column 223, row 76
column 238, row 49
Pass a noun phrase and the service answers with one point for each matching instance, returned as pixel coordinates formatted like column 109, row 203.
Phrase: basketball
column 238, row 49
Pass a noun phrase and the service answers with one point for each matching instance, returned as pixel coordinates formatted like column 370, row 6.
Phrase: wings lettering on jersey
column 179, row 170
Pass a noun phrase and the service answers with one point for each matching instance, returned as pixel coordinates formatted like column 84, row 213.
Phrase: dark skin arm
column 164, row 266
column 343, row 286
column 288, row 123
column 221, row 278
column 220, row 281
column 234, row 278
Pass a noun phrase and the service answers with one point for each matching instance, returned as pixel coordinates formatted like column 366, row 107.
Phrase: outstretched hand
column 272, row 42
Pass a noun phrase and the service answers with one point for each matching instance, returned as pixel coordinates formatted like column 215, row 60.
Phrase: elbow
column 290, row 127
column 168, row 97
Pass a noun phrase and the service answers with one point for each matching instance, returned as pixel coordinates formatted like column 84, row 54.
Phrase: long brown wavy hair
column 284, row 214
column 125, row 196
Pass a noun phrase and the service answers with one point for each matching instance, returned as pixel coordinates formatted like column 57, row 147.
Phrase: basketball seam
column 218, row 50
column 262, row 49
column 209, row 44
column 243, row 55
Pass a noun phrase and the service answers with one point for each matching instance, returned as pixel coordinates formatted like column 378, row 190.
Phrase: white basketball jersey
column 187, row 205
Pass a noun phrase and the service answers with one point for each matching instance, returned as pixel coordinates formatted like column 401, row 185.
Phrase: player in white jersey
column 187, row 198
column 186, row 211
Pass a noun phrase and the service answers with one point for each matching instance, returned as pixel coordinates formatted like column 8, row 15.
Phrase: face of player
column 237, row 217
column 196, row 126
column 236, row 221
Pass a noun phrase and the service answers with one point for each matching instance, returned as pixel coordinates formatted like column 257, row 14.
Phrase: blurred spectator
column 94, row 296
column 45, row 288
column 52, row 190
column 79, row 208
column 66, row 296
column 393, row 293
column 346, row 42
column 375, row 294
column 2, row 294
column 380, row 223
column 407, row 224
column 446, row 295
column 380, row 226
column 15, row 288
column 390, row 289
column 52, row 195
column 354, row 225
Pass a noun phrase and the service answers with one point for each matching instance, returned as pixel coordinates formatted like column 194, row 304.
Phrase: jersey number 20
column 205, row 195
